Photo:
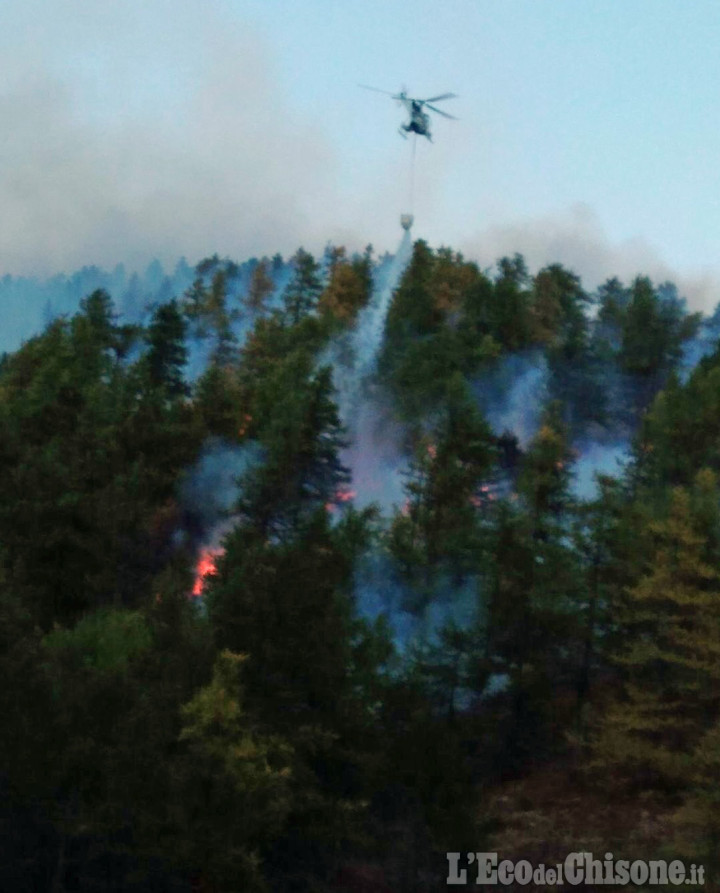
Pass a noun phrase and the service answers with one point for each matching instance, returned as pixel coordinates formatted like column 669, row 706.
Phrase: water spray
column 406, row 220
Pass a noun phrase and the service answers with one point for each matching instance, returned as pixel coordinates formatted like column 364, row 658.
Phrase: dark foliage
column 271, row 735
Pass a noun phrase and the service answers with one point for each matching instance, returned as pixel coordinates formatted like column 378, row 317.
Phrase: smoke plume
column 169, row 135
column 577, row 239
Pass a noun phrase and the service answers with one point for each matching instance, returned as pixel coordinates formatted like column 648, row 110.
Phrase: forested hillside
column 305, row 577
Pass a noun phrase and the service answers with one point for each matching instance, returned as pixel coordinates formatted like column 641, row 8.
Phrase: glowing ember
column 345, row 495
column 480, row 500
column 205, row 567
column 244, row 425
column 339, row 497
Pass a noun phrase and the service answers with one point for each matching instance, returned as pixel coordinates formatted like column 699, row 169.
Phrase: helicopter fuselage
column 419, row 120
column 417, row 109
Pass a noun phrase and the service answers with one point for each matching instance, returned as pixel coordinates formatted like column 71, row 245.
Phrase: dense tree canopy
column 220, row 673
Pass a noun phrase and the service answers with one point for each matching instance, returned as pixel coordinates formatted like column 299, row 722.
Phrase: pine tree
column 167, row 354
column 412, row 312
column 233, row 788
column 260, row 289
column 613, row 298
column 476, row 323
column 91, row 451
column 679, row 433
column 670, row 695
column 301, row 434
column 301, row 295
column 545, row 476
column 221, row 315
column 534, row 583
column 283, row 596
column 511, row 319
column 348, row 288
column 601, row 539
column 696, row 836
column 654, row 325
column 556, row 303
column 439, row 526
column 206, row 305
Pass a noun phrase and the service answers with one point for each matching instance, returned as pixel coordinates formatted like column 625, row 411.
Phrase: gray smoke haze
column 134, row 131
column 414, row 617
column 595, row 458
column 211, row 487
column 576, row 238
column 130, row 134
column 512, row 394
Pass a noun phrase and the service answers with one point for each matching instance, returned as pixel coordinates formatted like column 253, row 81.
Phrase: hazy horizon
column 136, row 132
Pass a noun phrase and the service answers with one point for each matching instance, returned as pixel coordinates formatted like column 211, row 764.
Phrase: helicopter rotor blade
column 377, row 90
column 442, row 96
column 441, row 112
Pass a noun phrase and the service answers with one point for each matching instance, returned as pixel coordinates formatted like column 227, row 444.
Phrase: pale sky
column 589, row 131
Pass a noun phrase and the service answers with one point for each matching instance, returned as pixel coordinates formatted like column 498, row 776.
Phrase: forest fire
column 205, row 567
column 296, row 594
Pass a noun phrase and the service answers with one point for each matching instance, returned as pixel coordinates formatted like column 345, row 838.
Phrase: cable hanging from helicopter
column 418, row 125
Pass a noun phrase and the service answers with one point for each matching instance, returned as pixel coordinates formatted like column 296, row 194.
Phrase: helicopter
column 419, row 122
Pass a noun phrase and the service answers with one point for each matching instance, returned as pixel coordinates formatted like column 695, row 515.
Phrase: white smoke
column 513, row 394
column 596, row 458
column 415, row 617
column 210, row 489
column 134, row 131
column 374, row 455
column 577, row 239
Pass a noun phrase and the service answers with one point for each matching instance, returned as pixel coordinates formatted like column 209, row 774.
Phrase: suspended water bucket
column 406, row 221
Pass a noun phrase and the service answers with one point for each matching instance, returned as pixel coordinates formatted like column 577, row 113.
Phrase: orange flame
column 340, row 496
column 245, row 424
column 345, row 495
column 205, row 567
column 484, row 494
